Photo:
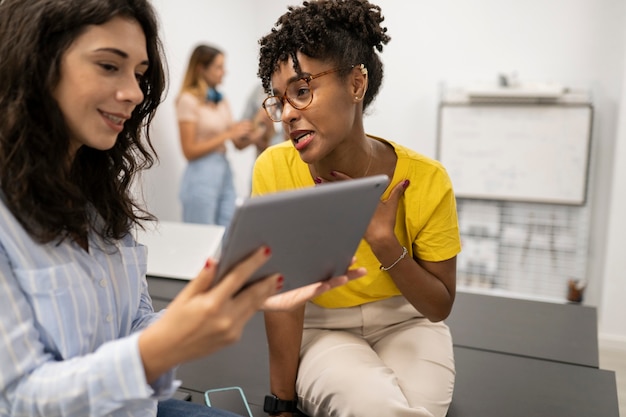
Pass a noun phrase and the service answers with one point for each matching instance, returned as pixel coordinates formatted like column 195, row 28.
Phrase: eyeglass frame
column 307, row 79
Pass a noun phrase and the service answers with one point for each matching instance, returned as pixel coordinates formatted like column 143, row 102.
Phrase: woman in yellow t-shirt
column 376, row 346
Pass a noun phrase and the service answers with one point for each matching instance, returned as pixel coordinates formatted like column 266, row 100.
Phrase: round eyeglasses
column 298, row 93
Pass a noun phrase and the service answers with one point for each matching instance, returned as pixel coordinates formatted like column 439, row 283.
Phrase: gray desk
column 490, row 384
column 559, row 332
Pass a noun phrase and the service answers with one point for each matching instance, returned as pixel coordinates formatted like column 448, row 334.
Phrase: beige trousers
column 381, row 359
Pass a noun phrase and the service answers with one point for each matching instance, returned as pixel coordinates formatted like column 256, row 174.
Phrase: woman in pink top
column 207, row 191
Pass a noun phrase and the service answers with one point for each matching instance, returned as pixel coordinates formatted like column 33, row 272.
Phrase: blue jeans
column 207, row 191
column 179, row 408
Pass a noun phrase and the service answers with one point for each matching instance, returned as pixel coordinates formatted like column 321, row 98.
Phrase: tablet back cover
column 313, row 232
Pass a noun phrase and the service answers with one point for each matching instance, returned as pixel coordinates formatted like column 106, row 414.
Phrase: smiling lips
column 116, row 122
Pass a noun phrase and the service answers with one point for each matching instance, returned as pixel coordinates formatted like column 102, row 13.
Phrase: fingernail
column 317, row 180
column 279, row 283
column 406, row 183
column 208, row 263
column 333, row 173
column 267, row 251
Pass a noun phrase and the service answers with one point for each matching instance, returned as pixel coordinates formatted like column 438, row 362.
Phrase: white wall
column 579, row 43
column 612, row 309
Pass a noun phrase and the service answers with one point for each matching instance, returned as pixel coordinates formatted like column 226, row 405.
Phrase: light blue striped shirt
column 69, row 322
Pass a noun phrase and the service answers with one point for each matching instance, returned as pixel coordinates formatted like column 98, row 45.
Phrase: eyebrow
column 120, row 53
column 289, row 81
column 295, row 78
column 299, row 77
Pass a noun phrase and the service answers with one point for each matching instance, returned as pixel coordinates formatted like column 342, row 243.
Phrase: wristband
column 274, row 405
column 404, row 252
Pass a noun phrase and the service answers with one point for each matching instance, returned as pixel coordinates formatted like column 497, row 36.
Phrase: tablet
column 313, row 232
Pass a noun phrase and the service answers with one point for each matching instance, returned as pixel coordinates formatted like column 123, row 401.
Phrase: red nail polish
column 317, row 180
column 279, row 283
column 208, row 263
column 406, row 183
column 333, row 173
column 267, row 251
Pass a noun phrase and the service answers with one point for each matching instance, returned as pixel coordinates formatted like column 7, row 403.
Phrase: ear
column 359, row 82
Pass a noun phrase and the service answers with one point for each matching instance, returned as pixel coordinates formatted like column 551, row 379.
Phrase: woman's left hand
column 291, row 299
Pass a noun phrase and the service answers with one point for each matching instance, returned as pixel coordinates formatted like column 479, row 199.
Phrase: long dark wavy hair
column 50, row 198
column 343, row 32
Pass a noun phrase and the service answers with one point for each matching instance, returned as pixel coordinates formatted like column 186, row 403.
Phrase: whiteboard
column 517, row 152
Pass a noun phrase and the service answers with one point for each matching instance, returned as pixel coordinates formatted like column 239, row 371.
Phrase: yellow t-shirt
column 426, row 221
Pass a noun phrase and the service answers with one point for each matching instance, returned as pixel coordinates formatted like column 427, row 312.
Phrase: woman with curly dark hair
column 80, row 81
column 376, row 346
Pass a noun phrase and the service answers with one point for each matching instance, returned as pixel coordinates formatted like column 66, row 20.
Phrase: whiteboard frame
column 488, row 195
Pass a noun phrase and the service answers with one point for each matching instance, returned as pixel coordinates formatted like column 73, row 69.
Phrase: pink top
column 211, row 119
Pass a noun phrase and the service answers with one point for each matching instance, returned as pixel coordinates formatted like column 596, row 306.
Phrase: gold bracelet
column 404, row 252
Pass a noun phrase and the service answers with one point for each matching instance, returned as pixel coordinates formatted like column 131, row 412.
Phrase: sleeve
column 187, row 108
column 263, row 175
column 165, row 385
column 145, row 315
column 439, row 238
column 279, row 168
column 35, row 382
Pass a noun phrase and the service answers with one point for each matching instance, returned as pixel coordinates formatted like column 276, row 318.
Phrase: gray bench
column 513, row 358
column 490, row 384
column 558, row 332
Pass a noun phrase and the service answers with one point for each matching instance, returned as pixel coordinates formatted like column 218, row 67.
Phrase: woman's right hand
column 203, row 319
column 240, row 133
column 241, row 129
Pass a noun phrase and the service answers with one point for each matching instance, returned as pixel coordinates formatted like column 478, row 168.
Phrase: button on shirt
column 69, row 327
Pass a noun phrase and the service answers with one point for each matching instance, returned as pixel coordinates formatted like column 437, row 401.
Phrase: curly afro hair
column 344, row 32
